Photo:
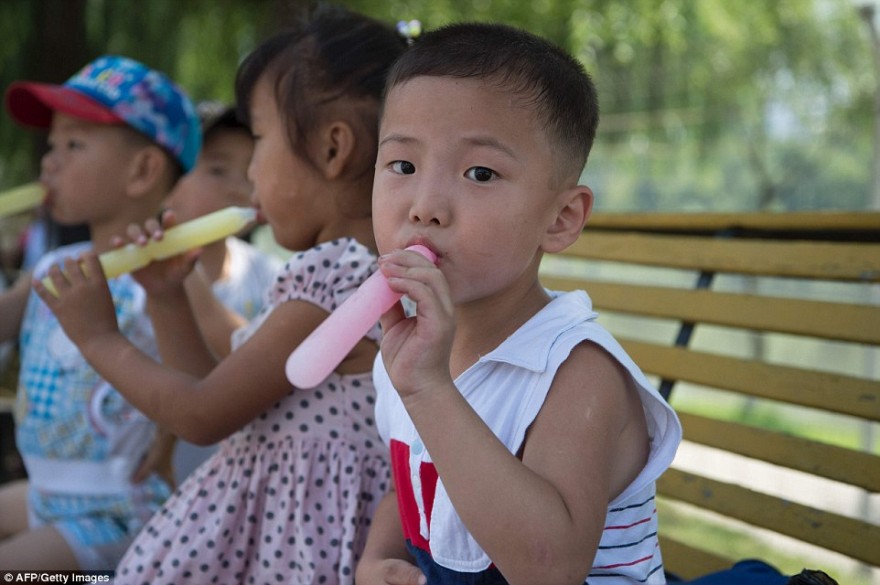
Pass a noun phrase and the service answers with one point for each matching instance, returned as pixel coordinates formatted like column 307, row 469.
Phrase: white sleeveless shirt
column 524, row 365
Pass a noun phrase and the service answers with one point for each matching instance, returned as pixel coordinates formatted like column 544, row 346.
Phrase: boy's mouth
column 427, row 244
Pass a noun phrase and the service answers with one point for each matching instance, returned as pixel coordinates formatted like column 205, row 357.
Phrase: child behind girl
column 290, row 493
column 525, row 443
column 238, row 272
column 231, row 273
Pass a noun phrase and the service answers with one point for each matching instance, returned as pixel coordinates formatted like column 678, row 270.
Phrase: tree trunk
column 56, row 49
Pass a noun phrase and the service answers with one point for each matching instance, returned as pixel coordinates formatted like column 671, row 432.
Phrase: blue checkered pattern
column 69, row 413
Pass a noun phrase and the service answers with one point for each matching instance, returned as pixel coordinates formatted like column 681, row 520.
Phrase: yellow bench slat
column 796, row 259
column 822, row 390
column 717, row 221
column 838, row 463
column 821, row 319
column 850, row 537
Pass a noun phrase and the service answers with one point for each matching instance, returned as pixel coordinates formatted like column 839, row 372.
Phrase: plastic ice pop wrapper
column 21, row 198
column 180, row 238
column 325, row 348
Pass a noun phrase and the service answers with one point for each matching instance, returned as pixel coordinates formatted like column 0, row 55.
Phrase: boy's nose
column 48, row 163
column 428, row 206
column 424, row 218
column 244, row 188
column 45, row 160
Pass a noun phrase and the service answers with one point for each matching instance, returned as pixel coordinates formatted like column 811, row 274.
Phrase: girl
column 290, row 493
column 227, row 287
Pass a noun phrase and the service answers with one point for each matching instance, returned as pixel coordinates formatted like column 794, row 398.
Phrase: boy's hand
column 83, row 304
column 390, row 572
column 416, row 351
column 159, row 276
column 159, row 460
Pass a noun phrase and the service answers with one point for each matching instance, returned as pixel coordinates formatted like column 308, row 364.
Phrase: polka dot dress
column 288, row 498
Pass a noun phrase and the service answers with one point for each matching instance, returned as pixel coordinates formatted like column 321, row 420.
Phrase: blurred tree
column 699, row 99
column 44, row 42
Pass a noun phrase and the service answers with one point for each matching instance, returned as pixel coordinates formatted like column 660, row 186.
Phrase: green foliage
column 710, row 104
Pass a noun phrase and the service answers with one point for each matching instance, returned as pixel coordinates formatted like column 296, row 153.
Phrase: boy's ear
column 337, row 149
column 576, row 204
column 146, row 170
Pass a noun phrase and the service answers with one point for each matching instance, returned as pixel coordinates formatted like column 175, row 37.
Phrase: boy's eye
column 480, row 174
column 403, row 167
column 217, row 171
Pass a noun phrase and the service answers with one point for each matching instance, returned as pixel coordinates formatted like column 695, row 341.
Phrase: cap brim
column 31, row 104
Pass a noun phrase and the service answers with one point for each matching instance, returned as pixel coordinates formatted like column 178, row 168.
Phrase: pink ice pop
column 325, row 348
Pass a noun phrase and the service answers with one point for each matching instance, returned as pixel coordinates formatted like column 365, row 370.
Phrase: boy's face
column 84, row 169
column 465, row 169
column 219, row 178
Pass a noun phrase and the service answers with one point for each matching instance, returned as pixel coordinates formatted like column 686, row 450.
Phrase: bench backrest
column 765, row 329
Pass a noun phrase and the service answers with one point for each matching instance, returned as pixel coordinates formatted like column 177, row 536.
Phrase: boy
column 120, row 135
column 525, row 444
column 238, row 272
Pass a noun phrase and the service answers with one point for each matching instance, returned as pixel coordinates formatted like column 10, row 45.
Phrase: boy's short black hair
column 545, row 76
column 217, row 116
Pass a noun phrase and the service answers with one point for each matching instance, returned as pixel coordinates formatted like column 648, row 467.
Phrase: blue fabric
column 438, row 575
column 748, row 572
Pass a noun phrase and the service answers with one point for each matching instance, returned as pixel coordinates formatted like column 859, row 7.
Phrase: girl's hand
column 83, row 305
column 416, row 350
column 389, row 572
column 159, row 276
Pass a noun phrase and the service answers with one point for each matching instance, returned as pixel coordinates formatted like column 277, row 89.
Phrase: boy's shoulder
column 56, row 255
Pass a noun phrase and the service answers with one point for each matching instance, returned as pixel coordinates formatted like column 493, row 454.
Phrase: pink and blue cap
column 115, row 90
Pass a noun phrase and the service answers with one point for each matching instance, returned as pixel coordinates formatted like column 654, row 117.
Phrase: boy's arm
column 159, row 459
column 178, row 336
column 540, row 518
column 12, row 306
column 215, row 320
column 385, row 560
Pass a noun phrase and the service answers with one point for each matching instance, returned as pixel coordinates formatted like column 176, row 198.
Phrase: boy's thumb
column 404, row 573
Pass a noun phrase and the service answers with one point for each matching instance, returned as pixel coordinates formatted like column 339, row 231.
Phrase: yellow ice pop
column 180, row 238
column 21, row 198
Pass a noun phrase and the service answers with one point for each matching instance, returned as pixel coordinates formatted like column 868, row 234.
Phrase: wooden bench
column 765, row 329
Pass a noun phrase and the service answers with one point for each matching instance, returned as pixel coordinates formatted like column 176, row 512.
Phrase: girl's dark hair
column 333, row 53
column 544, row 76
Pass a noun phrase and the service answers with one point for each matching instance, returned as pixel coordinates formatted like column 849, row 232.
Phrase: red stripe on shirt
column 406, row 499
column 630, row 564
column 625, row 526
